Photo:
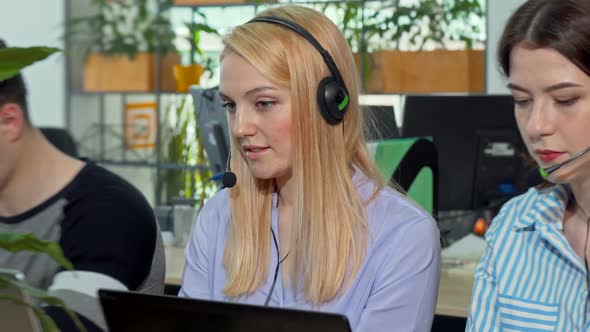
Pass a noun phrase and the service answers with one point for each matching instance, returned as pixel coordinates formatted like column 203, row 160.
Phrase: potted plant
column 17, row 242
column 424, row 46
column 121, row 43
column 199, row 62
column 182, row 145
column 217, row 2
column 12, row 60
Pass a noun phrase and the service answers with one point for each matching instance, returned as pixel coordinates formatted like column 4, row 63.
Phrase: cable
column 279, row 261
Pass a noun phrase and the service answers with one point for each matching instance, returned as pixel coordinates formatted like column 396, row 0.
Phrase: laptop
column 16, row 317
column 131, row 311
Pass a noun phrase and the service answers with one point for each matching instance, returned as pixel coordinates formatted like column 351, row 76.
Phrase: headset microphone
column 545, row 172
column 229, row 178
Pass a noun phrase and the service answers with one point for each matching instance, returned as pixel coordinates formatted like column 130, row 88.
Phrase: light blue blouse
column 395, row 289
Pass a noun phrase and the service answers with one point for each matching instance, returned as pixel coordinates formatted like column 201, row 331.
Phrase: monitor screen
column 381, row 123
column 212, row 122
column 497, row 167
column 480, row 150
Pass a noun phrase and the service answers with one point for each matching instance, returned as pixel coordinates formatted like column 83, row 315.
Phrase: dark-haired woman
column 534, row 273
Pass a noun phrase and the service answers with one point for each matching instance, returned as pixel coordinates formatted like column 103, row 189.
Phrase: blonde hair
column 329, row 229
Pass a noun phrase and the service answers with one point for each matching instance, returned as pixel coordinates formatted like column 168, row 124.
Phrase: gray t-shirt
column 107, row 230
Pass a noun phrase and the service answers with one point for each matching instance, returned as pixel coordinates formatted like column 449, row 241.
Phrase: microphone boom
column 546, row 171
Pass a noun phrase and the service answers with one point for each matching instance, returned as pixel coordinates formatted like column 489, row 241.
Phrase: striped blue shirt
column 529, row 278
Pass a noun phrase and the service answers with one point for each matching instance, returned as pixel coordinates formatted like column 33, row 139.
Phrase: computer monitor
column 479, row 147
column 381, row 122
column 213, row 126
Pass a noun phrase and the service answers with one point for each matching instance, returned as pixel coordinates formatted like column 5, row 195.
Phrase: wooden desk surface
column 454, row 295
column 174, row 265
column 454, row 292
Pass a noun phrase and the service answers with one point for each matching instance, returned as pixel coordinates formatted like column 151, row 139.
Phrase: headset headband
column 311, row 39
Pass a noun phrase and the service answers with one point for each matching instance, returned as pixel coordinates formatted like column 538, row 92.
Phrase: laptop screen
column 130, row 311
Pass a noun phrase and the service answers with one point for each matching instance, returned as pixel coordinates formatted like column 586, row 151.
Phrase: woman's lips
column 549, row 156
column 254, row 153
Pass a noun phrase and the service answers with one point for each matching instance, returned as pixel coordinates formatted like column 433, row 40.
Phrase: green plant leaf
column 46, row 321
column 15, row 242
column 13, row 59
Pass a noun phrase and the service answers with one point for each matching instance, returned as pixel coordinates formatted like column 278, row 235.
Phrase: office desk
column 454, row 293
column 174, row 265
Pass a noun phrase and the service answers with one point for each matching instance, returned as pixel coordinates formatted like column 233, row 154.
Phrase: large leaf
column 13, row 59
column 15, row 242
column 46, row 322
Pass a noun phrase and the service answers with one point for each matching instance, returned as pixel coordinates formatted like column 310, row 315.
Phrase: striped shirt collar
column 547, row 209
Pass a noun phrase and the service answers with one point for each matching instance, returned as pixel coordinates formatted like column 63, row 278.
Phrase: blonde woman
column 309, row 223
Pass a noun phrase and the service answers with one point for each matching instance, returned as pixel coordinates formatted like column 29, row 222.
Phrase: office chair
column 61, row 139
column 413, row 164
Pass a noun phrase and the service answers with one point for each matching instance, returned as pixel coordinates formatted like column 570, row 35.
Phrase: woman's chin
column 267, row 174
column 262, row 174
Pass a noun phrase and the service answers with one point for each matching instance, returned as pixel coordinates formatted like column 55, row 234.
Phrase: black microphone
column 545, row 172
column 229, row 178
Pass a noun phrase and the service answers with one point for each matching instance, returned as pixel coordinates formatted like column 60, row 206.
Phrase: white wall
column 498, row 13
column 39, row 23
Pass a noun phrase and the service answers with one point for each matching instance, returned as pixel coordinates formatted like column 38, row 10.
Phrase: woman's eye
column 228, row 107
column 265, row 104
column 521, row 101
column 566, row 101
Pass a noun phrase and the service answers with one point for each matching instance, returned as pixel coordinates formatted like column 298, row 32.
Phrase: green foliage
column 46, row 322
column 182, row 139
column 407, row 25
column 373, row 25
column 124, row 27
column 15, row 242
column 198, row 55
column 13, row 59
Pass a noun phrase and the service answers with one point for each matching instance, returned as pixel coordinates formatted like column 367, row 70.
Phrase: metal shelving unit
column 103, row 135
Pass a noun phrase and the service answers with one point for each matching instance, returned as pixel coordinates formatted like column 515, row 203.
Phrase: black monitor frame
column 381, row 122
column 213, row 126
column 455, row 123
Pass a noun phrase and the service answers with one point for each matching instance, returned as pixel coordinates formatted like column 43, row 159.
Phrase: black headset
column 332, row 95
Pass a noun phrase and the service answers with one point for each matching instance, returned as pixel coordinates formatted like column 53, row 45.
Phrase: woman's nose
column 540, row 121
column 243, row 124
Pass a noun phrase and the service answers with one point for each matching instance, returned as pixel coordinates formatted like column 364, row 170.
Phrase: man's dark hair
column 13, row 90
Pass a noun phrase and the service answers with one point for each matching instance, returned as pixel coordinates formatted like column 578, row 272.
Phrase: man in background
column 104, row 225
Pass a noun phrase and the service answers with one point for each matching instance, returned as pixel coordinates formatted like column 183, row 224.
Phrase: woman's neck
column 285, row 191
column 581, row 193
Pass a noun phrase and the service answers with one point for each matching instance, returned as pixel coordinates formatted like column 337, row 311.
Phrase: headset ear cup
column 332, row 100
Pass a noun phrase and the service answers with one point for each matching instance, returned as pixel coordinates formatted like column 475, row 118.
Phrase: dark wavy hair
column 563, row 25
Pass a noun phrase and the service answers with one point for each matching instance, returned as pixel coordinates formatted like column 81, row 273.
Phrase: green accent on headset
column 344, row 103
column 543, row 173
